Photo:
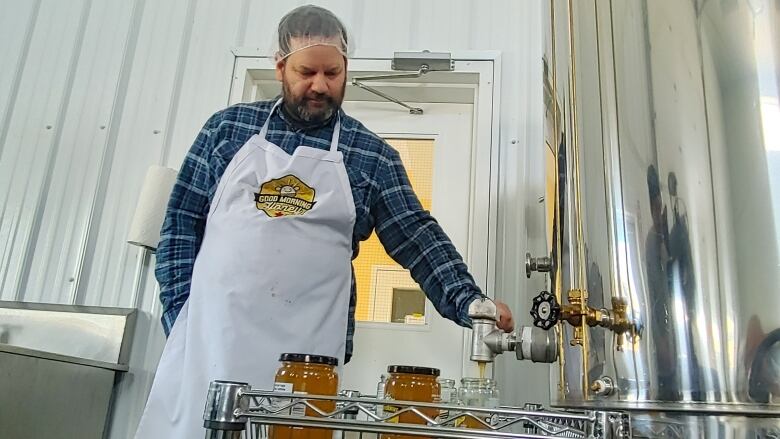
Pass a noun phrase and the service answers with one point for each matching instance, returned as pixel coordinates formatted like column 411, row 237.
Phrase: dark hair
column 309, row 21
column 653, row 182
column 672, row 181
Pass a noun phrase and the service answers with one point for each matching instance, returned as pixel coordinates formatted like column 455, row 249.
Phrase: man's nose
column 319, row 84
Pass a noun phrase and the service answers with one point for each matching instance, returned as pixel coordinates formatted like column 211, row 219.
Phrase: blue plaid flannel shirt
column 384, row 201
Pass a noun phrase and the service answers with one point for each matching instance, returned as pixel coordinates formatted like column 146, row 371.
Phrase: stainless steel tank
column 663, row 206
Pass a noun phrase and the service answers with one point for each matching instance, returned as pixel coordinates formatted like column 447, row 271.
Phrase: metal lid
column 416, row 370
column 308, row 358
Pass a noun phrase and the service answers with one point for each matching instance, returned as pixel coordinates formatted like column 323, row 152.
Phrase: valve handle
column 545, row 310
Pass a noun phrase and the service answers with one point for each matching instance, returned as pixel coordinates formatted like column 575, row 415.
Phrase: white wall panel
column 124, row 85
column 204, row 80
column 137, row 129
column 82, row 144
column 34, row 135
column 16, row 28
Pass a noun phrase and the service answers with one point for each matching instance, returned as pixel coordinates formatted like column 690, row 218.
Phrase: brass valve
column 577, row 311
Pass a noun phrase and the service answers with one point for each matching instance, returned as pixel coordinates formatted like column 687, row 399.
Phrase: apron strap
column 334, row 142
column 264, row 129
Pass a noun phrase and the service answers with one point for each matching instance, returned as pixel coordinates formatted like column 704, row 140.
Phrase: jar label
column 459, row 421
column 389, row 410
column 283, row 387
column 470, row 422
column 299, row 409
column 280, row 405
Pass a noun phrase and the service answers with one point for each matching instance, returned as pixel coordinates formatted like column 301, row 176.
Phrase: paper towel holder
column 150, row 209
column 149, row 214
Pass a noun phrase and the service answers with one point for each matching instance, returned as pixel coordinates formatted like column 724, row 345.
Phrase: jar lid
column 309, row 358
column 416, row 370
column 478, row 382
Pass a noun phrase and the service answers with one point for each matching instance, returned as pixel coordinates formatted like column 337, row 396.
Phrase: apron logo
column 285, row 196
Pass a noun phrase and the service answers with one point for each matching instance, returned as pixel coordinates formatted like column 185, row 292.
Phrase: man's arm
column 185, row 221
column 413, row 238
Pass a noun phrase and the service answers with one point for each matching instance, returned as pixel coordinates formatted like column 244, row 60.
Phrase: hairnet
column 308, row 26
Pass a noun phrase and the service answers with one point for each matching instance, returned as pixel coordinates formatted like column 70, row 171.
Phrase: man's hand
column 505, row 321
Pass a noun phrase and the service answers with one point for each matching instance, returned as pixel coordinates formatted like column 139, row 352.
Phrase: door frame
column 484, row 71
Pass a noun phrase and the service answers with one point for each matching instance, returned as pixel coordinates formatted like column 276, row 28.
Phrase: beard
column 299, row 106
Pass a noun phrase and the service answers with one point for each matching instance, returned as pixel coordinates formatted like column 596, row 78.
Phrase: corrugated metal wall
column 93, row 92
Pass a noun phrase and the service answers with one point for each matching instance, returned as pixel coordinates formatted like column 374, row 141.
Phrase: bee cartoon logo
column 285, row 196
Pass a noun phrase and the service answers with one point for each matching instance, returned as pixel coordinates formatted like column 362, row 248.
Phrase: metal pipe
column 487, row 340
column 558, row 250
column 412, row 110
column 423, row 70
column 223, row 401
column 254, row 393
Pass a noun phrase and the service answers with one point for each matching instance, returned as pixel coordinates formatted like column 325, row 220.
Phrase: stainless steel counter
column 58, row 366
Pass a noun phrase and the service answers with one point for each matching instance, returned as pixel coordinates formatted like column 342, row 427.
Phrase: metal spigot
column 219, row 418
column 488, row 340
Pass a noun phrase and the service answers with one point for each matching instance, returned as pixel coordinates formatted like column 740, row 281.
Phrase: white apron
column 273, row 275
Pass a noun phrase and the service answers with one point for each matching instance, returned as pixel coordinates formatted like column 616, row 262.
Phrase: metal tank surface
column 663, row 213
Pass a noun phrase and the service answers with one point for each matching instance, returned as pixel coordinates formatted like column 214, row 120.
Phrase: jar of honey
column 411, row 383
column 479, row 393
column 306, row 374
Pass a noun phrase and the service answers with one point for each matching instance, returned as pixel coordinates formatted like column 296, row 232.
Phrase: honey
column 481, row 369
column 411, row 383
column 306, row 374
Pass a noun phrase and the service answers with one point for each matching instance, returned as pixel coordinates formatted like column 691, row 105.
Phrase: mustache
column 319, row 98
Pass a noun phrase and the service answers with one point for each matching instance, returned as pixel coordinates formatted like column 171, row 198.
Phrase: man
column 273, row 199
column 666, row 381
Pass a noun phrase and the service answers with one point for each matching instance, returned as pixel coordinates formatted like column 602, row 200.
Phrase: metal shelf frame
column 252, row 410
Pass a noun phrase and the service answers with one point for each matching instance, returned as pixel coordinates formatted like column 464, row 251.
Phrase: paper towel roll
column 151, row 207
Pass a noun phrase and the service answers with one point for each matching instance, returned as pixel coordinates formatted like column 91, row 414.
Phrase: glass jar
column 306, row 374
column 411, row 383
column 449, row 395
column 479, row 393
column 380, row 394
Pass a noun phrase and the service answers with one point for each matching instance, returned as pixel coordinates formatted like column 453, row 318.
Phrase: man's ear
column 280, row 70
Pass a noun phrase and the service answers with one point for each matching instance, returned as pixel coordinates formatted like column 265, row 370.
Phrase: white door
column 437, row 149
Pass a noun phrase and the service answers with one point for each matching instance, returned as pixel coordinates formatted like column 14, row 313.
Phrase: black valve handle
column 545, row 310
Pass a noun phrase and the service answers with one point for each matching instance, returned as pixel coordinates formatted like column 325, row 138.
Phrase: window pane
column 383, row 287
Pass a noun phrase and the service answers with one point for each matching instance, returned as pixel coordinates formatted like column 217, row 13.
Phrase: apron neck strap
column 334, row 141
column 264, row 129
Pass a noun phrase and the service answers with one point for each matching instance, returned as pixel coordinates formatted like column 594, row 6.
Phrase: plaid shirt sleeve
column 185, row 220
column 413, row 238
